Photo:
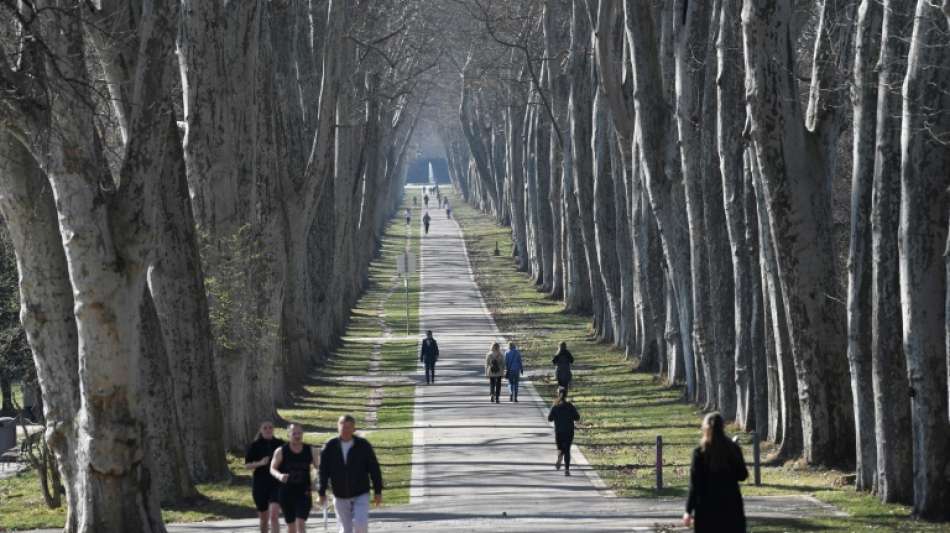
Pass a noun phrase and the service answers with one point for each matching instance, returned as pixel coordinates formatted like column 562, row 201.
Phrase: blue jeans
column 513, row 384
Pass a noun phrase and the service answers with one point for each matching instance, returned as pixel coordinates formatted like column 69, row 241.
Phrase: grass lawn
column 332, row 390
column 623, row 410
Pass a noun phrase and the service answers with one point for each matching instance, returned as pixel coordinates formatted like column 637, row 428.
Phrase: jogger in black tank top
column 291, row 466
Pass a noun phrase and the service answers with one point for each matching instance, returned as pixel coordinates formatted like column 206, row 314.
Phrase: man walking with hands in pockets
column 347, row 464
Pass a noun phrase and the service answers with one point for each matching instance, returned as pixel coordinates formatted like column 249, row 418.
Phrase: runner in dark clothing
column 425, row 200
column 264, row 487
column 425, row 221
column 563, row 414
column 428, row 355
column 291, row 466
column 563, row 360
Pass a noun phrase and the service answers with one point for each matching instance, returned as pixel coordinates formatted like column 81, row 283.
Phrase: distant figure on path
column 425, row 221
column 425, row 200
column 347, row 464
column 448, row 209
column 415, row 200
column 429, row 355
column 264, row 488
column 514, row 369
column 408, row 216
column 563, row 414
column 563, row 360
column 495, row 370
column 291, row 466
column 715, row 502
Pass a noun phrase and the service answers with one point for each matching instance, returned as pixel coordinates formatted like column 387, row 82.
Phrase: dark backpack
column 494, row 365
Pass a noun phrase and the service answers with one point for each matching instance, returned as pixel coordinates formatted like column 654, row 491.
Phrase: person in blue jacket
column 514, row 369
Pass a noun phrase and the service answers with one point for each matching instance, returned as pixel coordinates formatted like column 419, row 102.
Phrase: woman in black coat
column 562, row 361
column 715, row 502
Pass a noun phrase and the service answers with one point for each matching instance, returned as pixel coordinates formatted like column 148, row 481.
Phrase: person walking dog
column 347, row 465
column 495, row 370
column 715, row 501
column 514, row 369
column 562, row 361
column 429, row 355
column 564, row 415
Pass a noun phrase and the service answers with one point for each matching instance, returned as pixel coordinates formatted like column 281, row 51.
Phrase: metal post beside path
column 756, row 460
column 659, row 463
column 405, row 265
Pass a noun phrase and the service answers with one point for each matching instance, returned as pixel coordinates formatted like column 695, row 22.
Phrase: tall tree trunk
column 892, row 418
column 605, row 229
column 731, row 168
column 795, row 185
column 660, row 163
column 784, row 405
column 46, row 306
column 867, row 35
column 690, row 38
column 921, row 240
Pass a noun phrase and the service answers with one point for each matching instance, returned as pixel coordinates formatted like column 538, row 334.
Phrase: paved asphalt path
column 479, row 466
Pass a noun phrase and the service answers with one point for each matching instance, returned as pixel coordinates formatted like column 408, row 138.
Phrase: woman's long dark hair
column 715, row 445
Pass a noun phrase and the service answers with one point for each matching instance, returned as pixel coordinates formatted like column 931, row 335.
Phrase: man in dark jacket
column 429, row 354
column 347, row 464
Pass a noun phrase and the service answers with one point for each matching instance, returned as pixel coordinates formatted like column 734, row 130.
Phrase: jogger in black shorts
column 563, row 414
column 264, row 487
column 291, row 466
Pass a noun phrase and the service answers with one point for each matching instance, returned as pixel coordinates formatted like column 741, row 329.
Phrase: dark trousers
column 564, row 441
column 513, row 385
column 430, row 371
column 494, row 385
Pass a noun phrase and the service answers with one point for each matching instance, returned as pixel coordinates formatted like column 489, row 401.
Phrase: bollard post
column 497, row 251
column 659, row 463
column 756, row 461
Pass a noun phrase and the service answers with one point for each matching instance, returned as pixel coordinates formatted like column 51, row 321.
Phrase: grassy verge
column 623, row 411
column 340, row 386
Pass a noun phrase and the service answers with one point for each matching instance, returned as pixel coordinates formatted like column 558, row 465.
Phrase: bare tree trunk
column 164, row 442
column 46, row 305
column 794, row 183
column 787, row 431
column 514, row 126
column 690, row 34
column 605, row 231
column 764, row 371
column 660, row 163
column 921, row 240
column 733, row 173
column 867, row 35
column 892, row 418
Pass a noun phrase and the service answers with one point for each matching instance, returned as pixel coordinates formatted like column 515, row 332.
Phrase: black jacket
column 429, row 351
column 564, row 415
column 714, row 495
column 349, row 479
